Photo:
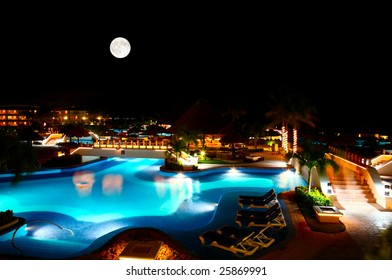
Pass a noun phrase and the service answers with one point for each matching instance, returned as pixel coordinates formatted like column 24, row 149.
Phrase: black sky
column 339, row 57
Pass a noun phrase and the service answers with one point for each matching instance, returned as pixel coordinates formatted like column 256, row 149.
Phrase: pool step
column 42, row 249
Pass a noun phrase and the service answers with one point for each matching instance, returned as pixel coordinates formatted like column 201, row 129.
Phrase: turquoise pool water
column 104, row 197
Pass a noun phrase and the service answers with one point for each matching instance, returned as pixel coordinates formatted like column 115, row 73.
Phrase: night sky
column 338, row 58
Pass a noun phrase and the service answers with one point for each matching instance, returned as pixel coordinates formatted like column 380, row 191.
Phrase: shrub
column 302, row 196
column 312, row 198
column 319, row 199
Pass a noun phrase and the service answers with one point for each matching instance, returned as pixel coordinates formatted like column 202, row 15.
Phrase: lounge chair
column 253, row 158
column 260, row 238
column 258, row 203
column 239, row 246
column 262, row 201
column 257, row 212
column 234, row 232
column 271, row 200
column 263, row 240
column 257, row 197
column 274, row 219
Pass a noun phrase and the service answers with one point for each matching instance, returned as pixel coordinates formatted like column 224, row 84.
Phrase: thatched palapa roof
column 199, row 117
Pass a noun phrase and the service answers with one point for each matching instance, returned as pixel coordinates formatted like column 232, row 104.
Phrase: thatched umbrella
column 154, row 130
column 75, row 130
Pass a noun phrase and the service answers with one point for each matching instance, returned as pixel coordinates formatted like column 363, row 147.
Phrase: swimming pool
column 101, row 198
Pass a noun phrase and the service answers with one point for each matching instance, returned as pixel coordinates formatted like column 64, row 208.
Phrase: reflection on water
column 83, row 181
column 137, row 188
column 112, row 184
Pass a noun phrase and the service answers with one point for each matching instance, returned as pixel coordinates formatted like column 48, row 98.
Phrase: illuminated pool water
column 115, row 194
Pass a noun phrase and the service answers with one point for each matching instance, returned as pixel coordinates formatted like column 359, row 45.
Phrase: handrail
column 38, row 220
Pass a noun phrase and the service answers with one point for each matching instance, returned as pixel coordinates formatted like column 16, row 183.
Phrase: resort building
column 16, row 115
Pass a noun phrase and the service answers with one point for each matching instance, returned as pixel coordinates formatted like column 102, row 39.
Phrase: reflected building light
column 112, row 184
column 83, row 181
column 160, row 186
column 196, row 186
column 181, row 186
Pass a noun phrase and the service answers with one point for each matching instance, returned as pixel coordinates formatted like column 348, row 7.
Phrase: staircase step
column 355, row 199
column 354, row 192
column 349, row 186
column 350, row 178
column 354, row 195
column 348, row 182
column 345, row 178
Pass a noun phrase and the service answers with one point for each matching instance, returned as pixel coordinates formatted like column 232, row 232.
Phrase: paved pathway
column 361, row 232
column 365, row 221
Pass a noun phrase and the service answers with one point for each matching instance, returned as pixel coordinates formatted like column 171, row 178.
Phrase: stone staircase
column 349, row 186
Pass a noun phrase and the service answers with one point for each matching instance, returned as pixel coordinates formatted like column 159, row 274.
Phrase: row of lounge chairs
column 261, row 211
column 263, row 201
column 236, row 240
column 272, row 217
column 256, row 211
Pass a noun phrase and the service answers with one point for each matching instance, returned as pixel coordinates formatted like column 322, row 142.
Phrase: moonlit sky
column 338, row 58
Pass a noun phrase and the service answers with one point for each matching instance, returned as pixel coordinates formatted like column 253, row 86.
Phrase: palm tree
column 301, row 112
column 290, row 110
column 235, row 112
column 189, row 136
column 279, row 114
column 256, row 130
column 178, row 146
column 315, row 157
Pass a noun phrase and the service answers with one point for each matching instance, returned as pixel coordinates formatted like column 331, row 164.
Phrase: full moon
column 120, row 47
